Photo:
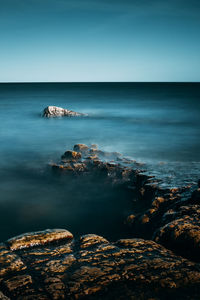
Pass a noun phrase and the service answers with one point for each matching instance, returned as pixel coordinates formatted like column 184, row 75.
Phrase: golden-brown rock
column 38, row 238
column 91, row 267
column 81, row 148
column 181, row 232
column 71, row 155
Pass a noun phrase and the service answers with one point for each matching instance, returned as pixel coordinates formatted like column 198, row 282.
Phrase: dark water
column 158, row 124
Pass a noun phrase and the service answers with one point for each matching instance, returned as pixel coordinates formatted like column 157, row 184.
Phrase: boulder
column 54, row 111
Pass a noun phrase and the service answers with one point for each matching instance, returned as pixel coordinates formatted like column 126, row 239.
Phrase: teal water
column 158, row 124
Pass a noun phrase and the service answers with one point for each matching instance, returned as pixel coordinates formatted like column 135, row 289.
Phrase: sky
column 99, row 40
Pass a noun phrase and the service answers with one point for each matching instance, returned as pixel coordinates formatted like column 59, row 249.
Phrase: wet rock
column 181, row 231
column 9, row 262
column 38, row 238
column 54, row 111
column 157, row 202
column 90, row 240
column 65, row 167
column 71, row 155
column 95, row 162
column 163, row 213
column 130, row 220
column 17, row 282
column 81, row 148
column 91, row 267
column 79, row 167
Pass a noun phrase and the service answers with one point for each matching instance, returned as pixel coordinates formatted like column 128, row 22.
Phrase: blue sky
column 99, row 40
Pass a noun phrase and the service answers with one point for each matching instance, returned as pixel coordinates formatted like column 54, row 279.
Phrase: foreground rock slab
column 91, row 267
column 54, row 111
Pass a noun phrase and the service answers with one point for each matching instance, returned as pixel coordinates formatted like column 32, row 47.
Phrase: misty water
column 158, row 124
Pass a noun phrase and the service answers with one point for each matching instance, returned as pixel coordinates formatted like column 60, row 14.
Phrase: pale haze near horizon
column 86, row 41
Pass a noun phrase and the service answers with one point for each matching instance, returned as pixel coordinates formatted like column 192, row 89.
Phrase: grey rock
column 54, row 111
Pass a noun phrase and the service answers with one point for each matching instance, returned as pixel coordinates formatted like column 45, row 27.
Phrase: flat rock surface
column 93, row 268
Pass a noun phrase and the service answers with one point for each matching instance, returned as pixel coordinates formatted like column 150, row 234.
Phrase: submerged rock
column 91, row 267
column 54, row 111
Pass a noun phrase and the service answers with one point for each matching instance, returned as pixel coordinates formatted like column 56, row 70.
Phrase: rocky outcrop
column 91, row 267
column 54, row 111
column 90, row 160
column 71, row 156
column 172, row 219
column 180, row 228
column 170, row 216
column 51, row 264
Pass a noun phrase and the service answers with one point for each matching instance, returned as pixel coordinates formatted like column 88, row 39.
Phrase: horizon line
column 32, row 82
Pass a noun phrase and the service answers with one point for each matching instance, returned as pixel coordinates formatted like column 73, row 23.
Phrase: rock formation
column 180, row 228
column 54, row 111
column 53, row 265
column 170, row 216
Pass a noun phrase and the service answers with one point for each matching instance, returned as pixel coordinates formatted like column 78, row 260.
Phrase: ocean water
column 154, row 123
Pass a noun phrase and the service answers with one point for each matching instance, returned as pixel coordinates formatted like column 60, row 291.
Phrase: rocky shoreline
column 160, row 261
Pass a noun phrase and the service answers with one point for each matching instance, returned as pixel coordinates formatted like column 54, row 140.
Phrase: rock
column 54, row 111
column 52, row 264
column 79, row 167
column 130, row 220
column 71, row 155
column 164, row 214
column 3, row 297
column 91, row 267
column 96, row 162
column 9, row 262
column 181, row 232
column 81, row 148
column 38, row 238
column 17, row 282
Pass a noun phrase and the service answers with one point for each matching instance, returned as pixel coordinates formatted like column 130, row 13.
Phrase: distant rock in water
column 54, row 111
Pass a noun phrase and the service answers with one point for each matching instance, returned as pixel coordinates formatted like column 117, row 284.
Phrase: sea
column 156, row 124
